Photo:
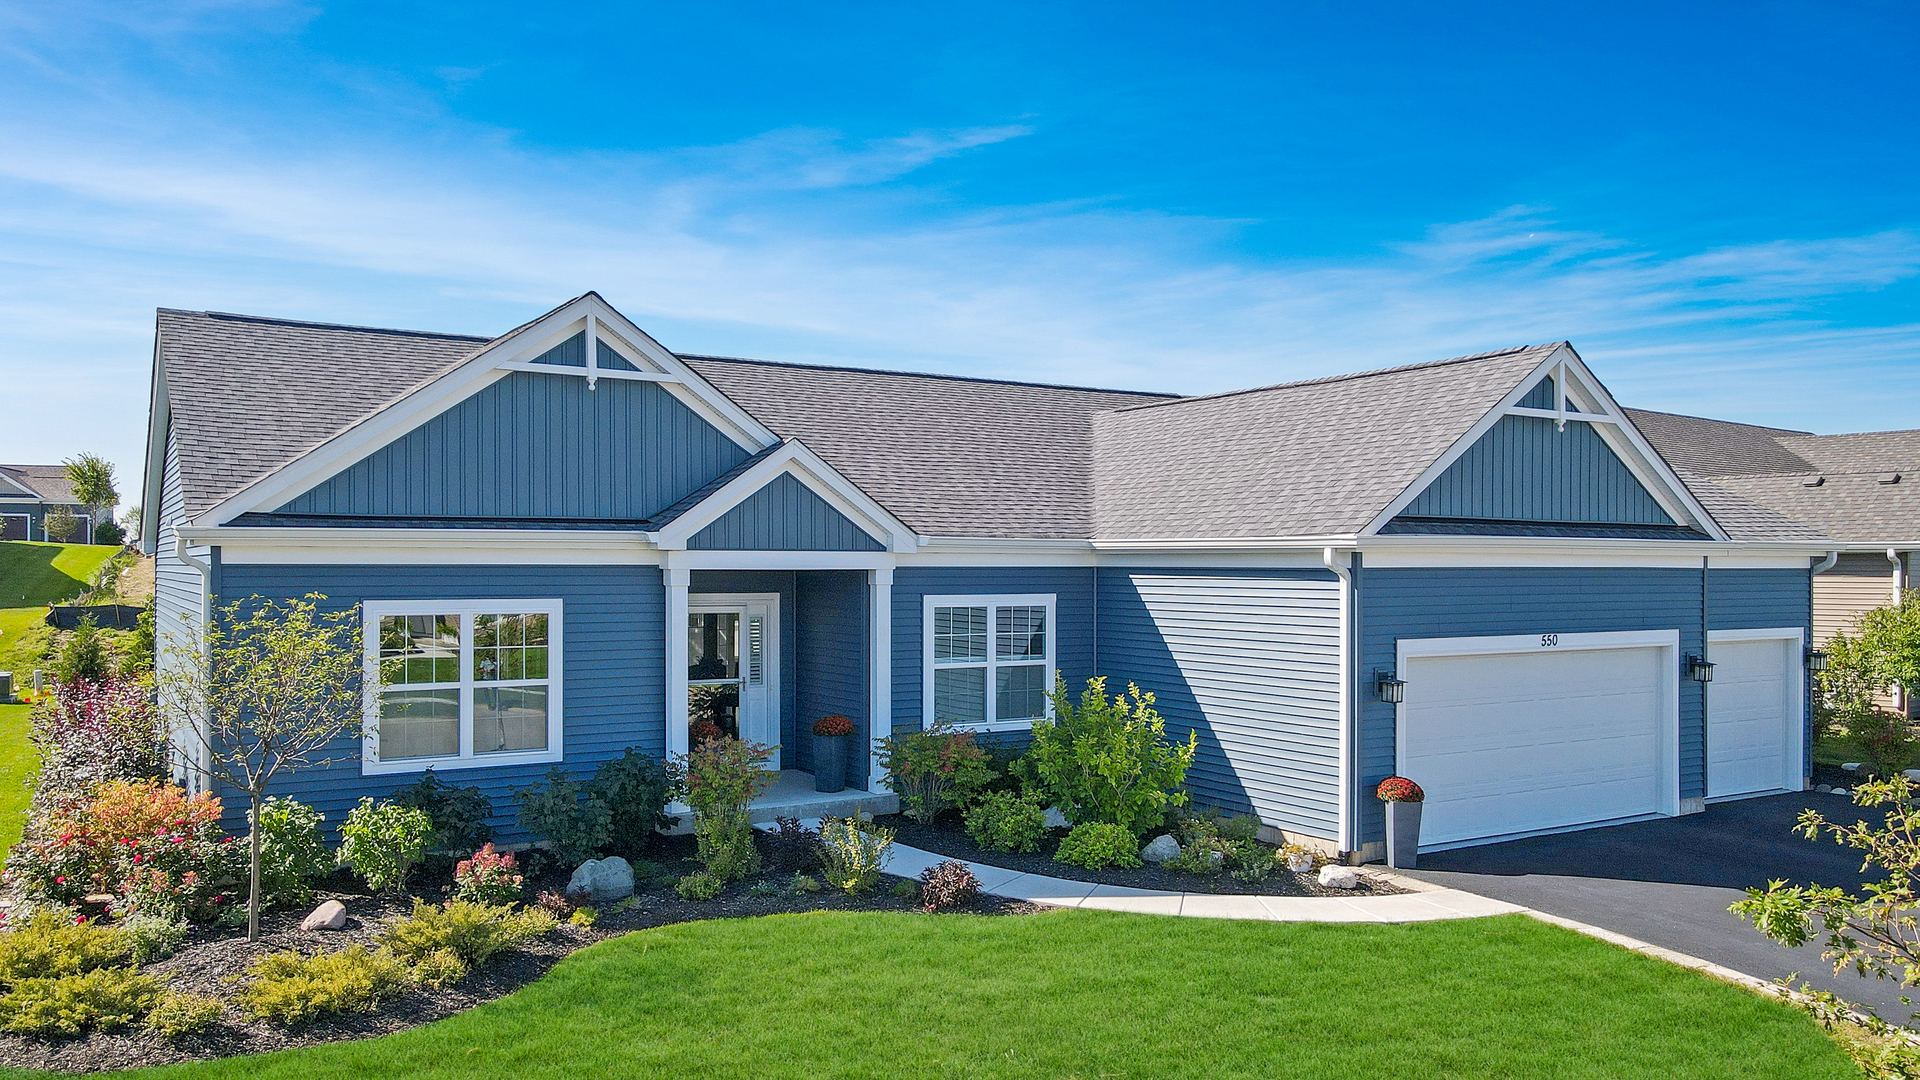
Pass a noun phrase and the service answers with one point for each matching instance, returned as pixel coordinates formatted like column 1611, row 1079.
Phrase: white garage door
column 1754, row 713
column 1517, row 735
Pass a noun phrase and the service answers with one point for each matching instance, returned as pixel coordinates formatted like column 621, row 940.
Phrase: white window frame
column 992, row 602
column 372, row 611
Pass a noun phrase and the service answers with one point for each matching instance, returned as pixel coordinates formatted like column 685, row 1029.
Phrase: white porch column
column 677, row 579
column 879, row 667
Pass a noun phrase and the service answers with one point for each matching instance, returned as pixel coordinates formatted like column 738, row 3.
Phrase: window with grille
column 989, row 659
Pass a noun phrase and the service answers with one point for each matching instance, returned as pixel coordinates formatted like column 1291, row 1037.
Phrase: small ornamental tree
column 60, row 525
column 272, row 685
column 92, row 478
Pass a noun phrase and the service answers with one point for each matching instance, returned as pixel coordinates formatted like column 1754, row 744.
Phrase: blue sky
column 1715, row 203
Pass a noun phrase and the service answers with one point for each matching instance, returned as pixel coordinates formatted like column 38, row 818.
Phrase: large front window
column 989, row 659
column 463, row 683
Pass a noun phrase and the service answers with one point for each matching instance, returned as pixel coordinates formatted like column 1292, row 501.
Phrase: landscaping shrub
column 583, row 916
column 136, row 653
column 109, row 532
column 48, row 945
column 791, row 848
column 179, row 1016
column 636, row 787
column 441, row 967
column 382, row 842
column 722, row 776
column 152, row 935
column 1007, row 821
column 555, row 904
column 1250, row 863
column 699, row 885
column 934, row 769
column 103, row 999
column 489, row 877
column 1097, row 844
column 1109, row 759
column 87, row 735
column 459, row 815
column 292, row 852
column 151, row 844
column 853, row 852
column 572, row 818
column 1238, row 828
column 947, row 884
column 61, row 525
column 288, row 988
column 85, row 657
column 473, row 931
column 1204, row 853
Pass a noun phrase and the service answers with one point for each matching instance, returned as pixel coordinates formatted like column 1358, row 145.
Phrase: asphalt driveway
column 1669, row 881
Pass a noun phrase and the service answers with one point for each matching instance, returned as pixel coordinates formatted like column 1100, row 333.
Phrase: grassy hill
column 35, row 575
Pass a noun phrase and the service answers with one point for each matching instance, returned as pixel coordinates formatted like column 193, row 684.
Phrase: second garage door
column 1528, row 734
column 1755, row 713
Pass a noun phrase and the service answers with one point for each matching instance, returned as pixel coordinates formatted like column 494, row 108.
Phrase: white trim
column 1669, row 690
column 1567, row 555
column 598, row 373
column 372, row 611
column 1341, row 563
column 796, row 459
column 31, row 494
column 1796, row 639
column 743, row 605
column 1613, row 428
column 992, row 602
column 675, row 710
column 879, row 670
column 777, row 560
column 423, row 547
column 476, row 373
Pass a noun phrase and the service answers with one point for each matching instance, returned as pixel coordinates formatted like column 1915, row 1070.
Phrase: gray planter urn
column 1403, row 835
column 830, row 762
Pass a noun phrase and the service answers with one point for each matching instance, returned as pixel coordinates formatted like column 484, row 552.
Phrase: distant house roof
column 1858, row 489
column 48, row 482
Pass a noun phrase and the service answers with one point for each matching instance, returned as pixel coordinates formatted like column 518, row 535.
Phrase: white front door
column 733, row 666
column 1754, row 712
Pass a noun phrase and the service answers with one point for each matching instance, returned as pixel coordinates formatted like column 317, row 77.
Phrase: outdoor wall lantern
column 1699, row 668
column 1816, row 661
column 1392, row 691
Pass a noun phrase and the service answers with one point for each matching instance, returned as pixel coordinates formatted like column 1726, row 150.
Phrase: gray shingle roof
column 1315, row 458
column 46, row 481
column 949, row 456
column 1763, row 477
column 250, row 394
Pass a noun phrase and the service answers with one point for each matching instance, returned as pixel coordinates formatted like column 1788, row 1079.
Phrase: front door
column 733, row 667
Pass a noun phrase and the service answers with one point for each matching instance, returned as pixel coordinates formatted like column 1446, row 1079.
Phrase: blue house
column 567, row 540
column 28, row 493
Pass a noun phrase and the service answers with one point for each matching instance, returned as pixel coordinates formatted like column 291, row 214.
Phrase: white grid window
column 464, row 684
column 989, row 660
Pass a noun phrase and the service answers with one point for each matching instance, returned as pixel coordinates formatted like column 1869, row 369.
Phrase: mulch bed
column 946, row 837
column 208, row 960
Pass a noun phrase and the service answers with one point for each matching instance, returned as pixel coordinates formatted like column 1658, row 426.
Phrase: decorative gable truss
column 584, row 338
column 1562, row 390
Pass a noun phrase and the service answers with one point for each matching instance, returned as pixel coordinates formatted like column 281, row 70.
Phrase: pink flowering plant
column 150, row 845
column 89, row 733
column 488, row 877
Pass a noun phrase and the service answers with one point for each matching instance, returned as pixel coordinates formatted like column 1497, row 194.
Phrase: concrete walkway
column 1426, row 905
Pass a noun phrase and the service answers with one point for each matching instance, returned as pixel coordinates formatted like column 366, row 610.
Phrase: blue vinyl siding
column 785, row 583
column 607, row 357
column 613, row 671
column 833, row 664
column 534, row 445
column 1474, row 602
column 1249, row 659
column 785, row 515
column 1540, row 397
column 1525, row 470
column 569, row 353
column 1072, row 587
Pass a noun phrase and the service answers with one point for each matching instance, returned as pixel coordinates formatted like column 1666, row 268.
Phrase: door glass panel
column 713, row 646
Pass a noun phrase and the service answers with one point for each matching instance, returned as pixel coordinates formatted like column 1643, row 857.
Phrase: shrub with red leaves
column 948, row 884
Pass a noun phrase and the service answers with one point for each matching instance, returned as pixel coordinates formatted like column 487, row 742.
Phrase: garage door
column 1754, row 713
column 1518, row 735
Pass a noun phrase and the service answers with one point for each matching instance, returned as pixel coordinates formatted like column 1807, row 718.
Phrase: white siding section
column 179, row 592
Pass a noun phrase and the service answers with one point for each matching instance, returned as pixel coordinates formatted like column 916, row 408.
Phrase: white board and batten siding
column 179, row 590
column 1522, row 734
column 1249, row 660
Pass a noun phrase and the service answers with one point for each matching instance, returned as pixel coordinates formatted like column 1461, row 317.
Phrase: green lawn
column 39, row 574
column 1093, row 994
column 17, row 763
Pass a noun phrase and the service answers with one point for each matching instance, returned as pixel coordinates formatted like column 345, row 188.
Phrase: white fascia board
column 159, row 420
column 29, row 492
column 1227, row 543
column 777, row 560
column 474, row 374
column 423, row 547
column 1461, row 551
column 795, row 458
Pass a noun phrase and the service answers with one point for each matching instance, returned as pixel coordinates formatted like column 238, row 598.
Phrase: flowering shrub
column 1399, row 789
column 488, row 877
column 153, row 844
column 722, row 776
column 834, row 724
column 947, row 884
column 934, row 769
column 89, row 733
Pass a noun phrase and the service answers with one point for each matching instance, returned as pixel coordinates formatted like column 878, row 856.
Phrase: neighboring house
column 1860, row 490
column 568, row 540
column 28, row 492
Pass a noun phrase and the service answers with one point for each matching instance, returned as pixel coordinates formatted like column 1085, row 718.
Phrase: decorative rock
column 1852, row 766
column 1160, row 850
column 331, row 915
column 1339, row 877
column 1823, row 788
column 1055, row 819
column 1841, row 791
column 601, row 881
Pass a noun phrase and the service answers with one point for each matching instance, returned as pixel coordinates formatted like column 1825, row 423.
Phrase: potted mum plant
column 1403, row 798
column 831, row 735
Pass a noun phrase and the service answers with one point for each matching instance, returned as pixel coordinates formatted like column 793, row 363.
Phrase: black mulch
column 208, row 961
column 946, row 837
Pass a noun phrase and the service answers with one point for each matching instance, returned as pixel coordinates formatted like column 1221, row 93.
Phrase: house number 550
column 1548, row 641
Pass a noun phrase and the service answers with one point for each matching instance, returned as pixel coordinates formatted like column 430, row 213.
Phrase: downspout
column 1900, row 700
column 1348, row 826
column 201, row 766
column 1706, row 722
column 1826, row 564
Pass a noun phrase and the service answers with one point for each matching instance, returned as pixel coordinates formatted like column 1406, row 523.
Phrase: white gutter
column 1343, row 570
column 1826, row 564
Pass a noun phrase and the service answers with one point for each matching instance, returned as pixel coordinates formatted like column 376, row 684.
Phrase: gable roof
column 1316, row 458
column 1773, row 472
column 47, row 482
